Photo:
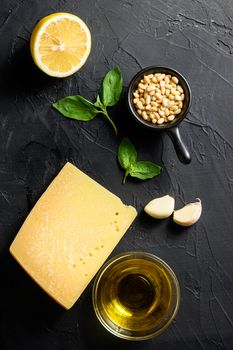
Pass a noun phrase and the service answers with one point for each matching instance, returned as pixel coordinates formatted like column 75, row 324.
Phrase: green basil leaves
column 127, row 153
column 111, row 88
column 127, row 156
column 77, row 107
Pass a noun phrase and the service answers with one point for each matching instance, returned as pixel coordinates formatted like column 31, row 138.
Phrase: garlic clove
column 160, row 208
column 189, row 214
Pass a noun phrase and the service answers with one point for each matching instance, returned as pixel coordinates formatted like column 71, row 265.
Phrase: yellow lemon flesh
column 60, row 44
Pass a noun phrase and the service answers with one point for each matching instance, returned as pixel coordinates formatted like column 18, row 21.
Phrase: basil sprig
column 77, row 107
column 127, row 156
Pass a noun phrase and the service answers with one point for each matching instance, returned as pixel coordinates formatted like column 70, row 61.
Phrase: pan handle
column 181, row 149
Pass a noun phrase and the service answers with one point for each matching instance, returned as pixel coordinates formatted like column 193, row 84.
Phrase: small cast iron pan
column 172, row 128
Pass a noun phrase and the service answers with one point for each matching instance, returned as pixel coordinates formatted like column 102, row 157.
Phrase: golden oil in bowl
column 136, row 295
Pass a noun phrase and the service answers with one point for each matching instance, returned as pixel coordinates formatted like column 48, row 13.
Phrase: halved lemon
column 60, row 44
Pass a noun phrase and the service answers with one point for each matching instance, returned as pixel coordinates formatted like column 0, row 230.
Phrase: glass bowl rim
column 125, row 256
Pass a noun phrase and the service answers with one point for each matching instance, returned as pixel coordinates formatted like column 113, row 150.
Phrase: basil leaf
column 144, row 170
column 76, row 107
column 127, row 153
column 111, row 87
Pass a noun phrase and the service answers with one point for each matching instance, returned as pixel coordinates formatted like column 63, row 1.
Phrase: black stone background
column 192, row 36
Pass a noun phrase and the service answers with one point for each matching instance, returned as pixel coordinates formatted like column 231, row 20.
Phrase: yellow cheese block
column 69, row 233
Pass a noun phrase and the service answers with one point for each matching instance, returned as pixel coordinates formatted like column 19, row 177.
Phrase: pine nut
column 167, row 112
column 171, row 103
column 159, row 96
column 177, row 111
column 163, row 90
column 139, row 111
column 139, row 105
column 141, row 86
column 173, row 108
column 135, row 100
column 180, row 89
column 148, row 107
column 154, row 121
column 160, row 121
column 150, row 88
column 136, row 94
column 144, row 115
column 171, row 118
column 171, row 97
column 173, row 91
column 177, row 98
column 154, row 80
column 152, row 116
column 165, row 102
column 167, row 80
column 182, row 97
column 161, row 77
column 180, row 105
column 161, row 113
column 157, row 116
column 142, row 100
column 148, row 100
column 175, row 80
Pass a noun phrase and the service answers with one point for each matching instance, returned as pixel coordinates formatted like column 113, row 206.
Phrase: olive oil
column 135, row 296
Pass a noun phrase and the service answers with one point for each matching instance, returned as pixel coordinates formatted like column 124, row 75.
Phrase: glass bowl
column 136, row 295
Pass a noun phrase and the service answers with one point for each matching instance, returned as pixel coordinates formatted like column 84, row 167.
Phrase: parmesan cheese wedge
column 69, row 234
column 160, row 208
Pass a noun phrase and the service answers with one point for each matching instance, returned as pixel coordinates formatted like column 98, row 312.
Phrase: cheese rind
column 69, row 234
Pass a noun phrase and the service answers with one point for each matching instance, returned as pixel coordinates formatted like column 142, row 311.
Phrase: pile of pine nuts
column 159, row 98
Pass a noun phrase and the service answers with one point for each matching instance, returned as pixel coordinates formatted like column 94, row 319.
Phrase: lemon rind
column 41, row 29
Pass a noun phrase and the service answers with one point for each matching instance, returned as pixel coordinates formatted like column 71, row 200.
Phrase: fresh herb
column 111, row 88
column 127, row 156
column 77, row 107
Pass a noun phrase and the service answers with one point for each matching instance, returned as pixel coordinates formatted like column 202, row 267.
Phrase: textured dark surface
column 192, row 36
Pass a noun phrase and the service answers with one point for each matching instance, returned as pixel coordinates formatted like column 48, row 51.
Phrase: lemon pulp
column 60, row 44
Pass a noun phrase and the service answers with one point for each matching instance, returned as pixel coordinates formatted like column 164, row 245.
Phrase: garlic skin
column 189, row 214
column 161, row 207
